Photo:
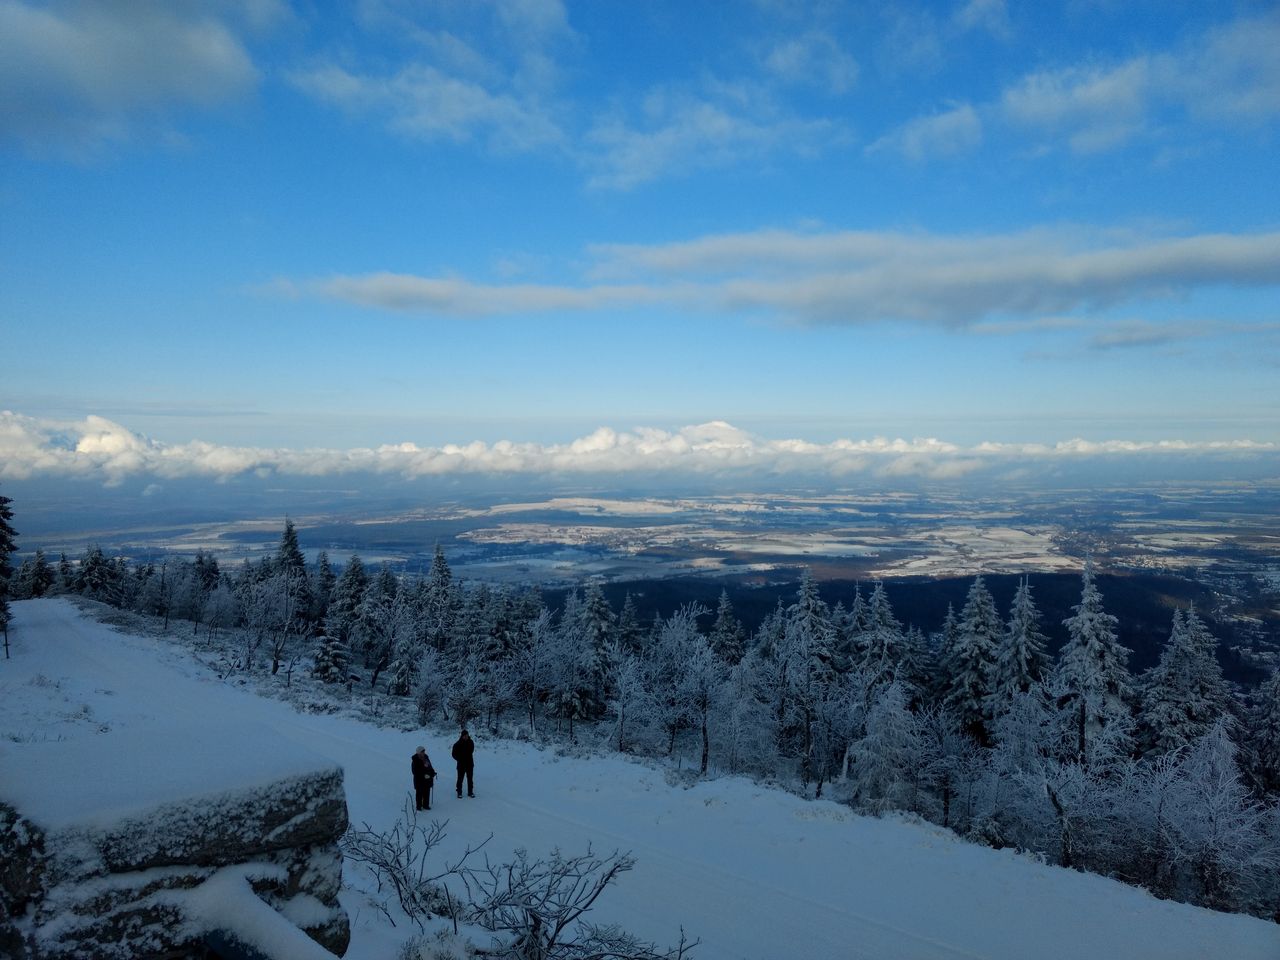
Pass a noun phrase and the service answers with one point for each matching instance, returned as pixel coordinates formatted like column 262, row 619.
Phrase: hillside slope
column 754, row 872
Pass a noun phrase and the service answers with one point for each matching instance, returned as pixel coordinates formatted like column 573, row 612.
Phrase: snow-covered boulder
column 131, row 844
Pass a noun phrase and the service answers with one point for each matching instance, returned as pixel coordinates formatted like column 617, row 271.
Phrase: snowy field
column 753, row 872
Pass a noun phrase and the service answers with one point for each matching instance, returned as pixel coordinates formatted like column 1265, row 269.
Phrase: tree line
column 1169, row 779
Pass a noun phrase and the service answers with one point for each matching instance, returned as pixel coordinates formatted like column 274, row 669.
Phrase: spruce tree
column 882, row 647
column 289, row 553
column 1092, row 672
column 971, row 664
column 42, row 575
column 887, row 757
column 439, row 599
column 809, row 663
column 597, row 630
column 856, row 625
column 1184, row 695
column 918, row 668
column 726, row 633
column 66, row 581
column 8, row 544
column 333, row 661
column 1021, row 662
column 345, row 602
column 296, row 583
column 1264, row 735
column 326, row 580
column 630, row 632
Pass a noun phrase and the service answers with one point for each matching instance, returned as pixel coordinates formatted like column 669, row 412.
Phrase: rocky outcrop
column 124, row 879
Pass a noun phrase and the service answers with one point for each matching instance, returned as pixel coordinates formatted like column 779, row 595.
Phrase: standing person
column 423, row 776
column 464, row 753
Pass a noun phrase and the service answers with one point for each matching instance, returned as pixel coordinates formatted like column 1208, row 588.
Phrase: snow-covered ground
column 754, row 872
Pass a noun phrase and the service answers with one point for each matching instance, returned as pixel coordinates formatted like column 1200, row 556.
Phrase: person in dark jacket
column 423, row 776
column 464, row 753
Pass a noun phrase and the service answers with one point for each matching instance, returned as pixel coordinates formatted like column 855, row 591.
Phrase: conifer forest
column 1169, row 780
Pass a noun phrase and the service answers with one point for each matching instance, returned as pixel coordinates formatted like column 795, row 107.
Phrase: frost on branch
column 539, row 904
column 534, row 906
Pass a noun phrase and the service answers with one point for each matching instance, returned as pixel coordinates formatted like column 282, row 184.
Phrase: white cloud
column 682, row 131
column 468, row 72
column 422, row 102
column 852, row 277
column 1145, row 333
column 989, row 15
column 75, row 75
column 98, row 449
column 496, row 74
column 813, row 59
column 461, row 298
column 1233, row 74
column 1094, row 108
column 1227, row 75
column 949, row 133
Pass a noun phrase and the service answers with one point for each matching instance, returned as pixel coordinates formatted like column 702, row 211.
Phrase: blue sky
column 233, row 232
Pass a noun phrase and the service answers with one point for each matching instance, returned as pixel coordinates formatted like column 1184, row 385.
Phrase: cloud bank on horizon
column 97, row 449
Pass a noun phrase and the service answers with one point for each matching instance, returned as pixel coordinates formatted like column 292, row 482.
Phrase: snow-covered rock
column 106, row 840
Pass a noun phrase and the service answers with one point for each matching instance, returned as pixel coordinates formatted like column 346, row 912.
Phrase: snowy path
column 753, row 872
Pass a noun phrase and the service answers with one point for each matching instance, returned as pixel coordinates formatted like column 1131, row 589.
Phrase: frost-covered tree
column 440, row 601
column 264, row 609
column 289, row 559
column 8, row 544
column 333, row 661
column 882, row 645
column 886, row 760
column 532, row 665
column 666, row 665
column 295, row 601
column 971, row 661
column 857, row 621
column 839, row 719
column 597, row 632
column 66, row 579
column 432, row 685
column 1023, row 733
column 1264, row 735
column 325, row 582
column 630, row 633
column 344, row 603
column 221, row 609
column 1184, row 695
column 407, row 647
column 1092, row 672
column 918, row 667
column 948, row 757
column 386, row 624
column 34, row 578
column 807, row 662
column 97, row 577
column 190, row 598
column 699, row 686
column 1021, row 661
column 206, row 569
column 572, row 663
column 747, row 732
column 1221, row 832
column 727, row 636
column 629, row 698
